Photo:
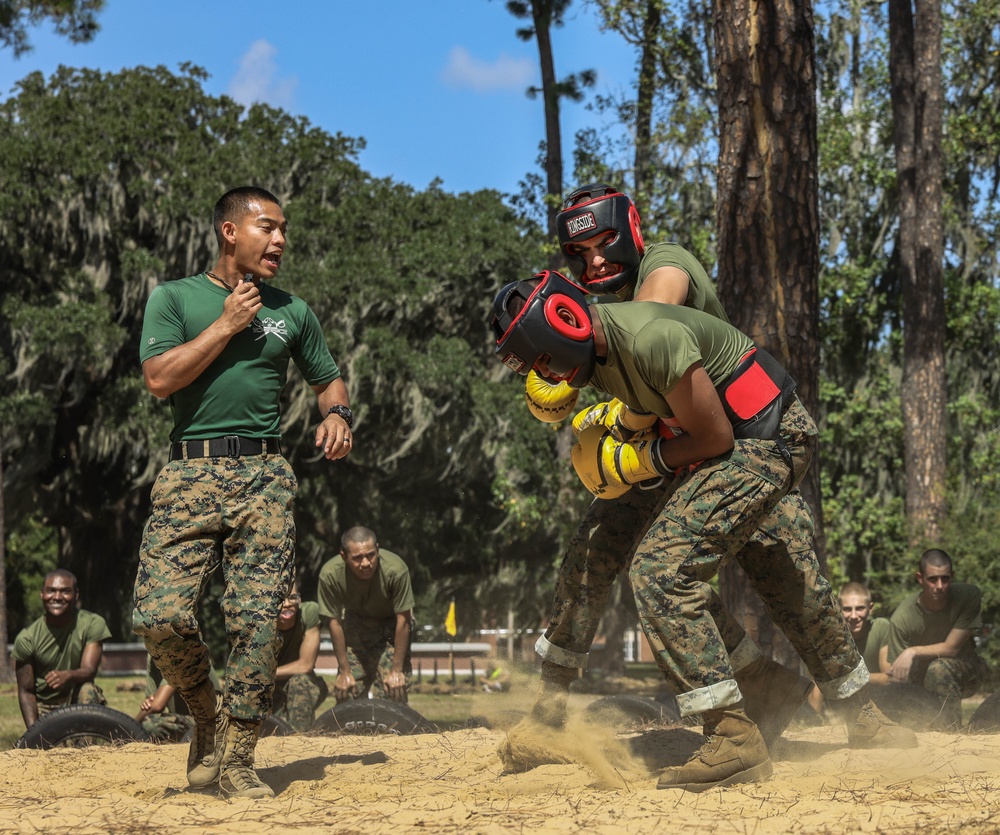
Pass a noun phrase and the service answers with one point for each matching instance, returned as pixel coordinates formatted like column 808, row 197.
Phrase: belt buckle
column 232, row 446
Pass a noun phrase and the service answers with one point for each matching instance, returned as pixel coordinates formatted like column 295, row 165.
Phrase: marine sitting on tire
column 57, row 657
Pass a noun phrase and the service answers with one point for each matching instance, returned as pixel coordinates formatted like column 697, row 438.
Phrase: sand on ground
column 455, row 782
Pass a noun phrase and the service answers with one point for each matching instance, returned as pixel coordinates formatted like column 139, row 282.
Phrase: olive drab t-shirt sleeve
column 701, row 290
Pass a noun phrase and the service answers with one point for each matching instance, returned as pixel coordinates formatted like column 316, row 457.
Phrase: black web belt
column 231, row 446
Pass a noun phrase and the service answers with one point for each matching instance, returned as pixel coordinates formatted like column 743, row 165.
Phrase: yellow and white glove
column 623, row 423
column 608, row 468
column 549, row 402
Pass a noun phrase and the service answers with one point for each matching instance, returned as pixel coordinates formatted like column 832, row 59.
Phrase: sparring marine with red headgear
column 604, row 541
column 726, row 473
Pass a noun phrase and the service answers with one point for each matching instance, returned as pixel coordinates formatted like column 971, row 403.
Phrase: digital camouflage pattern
column 707, row 517
column 236, row 511
column 599, row 552
column 296, row 700
column 370, row 653
column 86, row 693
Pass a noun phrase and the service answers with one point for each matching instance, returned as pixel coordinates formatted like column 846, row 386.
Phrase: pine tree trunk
column 915, row 71
column 768, row 222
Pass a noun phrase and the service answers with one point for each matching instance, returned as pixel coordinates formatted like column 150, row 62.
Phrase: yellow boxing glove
column 549, row 402
column 608, row 468
column 623, row 423
column 601, row 414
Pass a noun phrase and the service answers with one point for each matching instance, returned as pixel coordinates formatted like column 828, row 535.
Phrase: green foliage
column 74, row 19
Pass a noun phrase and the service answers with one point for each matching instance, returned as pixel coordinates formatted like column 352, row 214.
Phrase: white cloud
column 257, row 79
column 505, row 73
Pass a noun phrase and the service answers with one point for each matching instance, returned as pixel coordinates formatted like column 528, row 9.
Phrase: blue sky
column 436, row 87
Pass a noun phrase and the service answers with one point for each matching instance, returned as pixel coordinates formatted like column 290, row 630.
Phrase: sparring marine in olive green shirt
column 744, row 441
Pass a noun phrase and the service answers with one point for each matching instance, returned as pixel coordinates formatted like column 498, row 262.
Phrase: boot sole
column 203, row 783
column 756, row 774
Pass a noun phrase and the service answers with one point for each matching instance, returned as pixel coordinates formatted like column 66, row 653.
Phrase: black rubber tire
column 76, row 726
column 275, row 726
column 372, row 717
column 986, row 719
column 633, row 711
column 907, row 704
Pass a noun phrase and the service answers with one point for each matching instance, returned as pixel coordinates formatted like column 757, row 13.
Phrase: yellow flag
column 449, row 622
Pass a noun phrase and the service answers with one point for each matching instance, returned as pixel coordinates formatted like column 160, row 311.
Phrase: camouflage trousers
column 370, row 654
column 167, row 726
column 711, row 515
column 598, row 554
column 85, row 693
column 296, row 700
column 236, row 512
column 951, row 680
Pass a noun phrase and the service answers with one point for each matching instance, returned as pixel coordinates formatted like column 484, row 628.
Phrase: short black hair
column 935, row 557
column 237, row 202
column 359, row 533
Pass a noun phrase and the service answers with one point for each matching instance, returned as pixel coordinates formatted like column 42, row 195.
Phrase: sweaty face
column 591, row 250
column 856, row 610
column 361, row 558
column 58, row 595
column 260, row 239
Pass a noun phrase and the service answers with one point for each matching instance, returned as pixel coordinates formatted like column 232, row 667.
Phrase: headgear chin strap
column 597, row 209
column 529, row 321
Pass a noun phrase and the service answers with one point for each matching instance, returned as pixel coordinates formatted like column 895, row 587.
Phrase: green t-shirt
column 701, row 291
column 651, row 346
column 61, row 648
column 871, row 643
column 291, row 639
column 238, row 394
column 385, row 595
column 914, row 626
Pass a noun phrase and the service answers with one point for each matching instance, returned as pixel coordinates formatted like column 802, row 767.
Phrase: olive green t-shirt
column 871, row 643
column 238, row 394
column 701, row 292
column 915, row 626
column 59, row 648
column 652, row 345
column 385, row 595
column 291, row 639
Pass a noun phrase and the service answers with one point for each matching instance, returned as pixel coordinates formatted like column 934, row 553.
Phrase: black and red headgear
column 596, row 209
column 527, row 324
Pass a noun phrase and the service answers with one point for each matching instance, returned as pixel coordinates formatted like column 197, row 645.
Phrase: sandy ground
column 455, row 782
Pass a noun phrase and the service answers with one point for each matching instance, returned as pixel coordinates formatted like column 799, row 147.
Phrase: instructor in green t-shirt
column 217, row 346
column 57, row 657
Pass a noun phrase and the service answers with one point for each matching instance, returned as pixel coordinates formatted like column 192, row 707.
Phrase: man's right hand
column 345, row 687
column 242, row 306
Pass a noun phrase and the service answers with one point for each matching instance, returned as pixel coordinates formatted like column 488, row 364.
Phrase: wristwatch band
column 344, row 412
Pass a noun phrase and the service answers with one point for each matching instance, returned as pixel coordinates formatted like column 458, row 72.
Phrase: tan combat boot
column 550, row 709
column 772, row 695
column 237, row 777
column 205, row 753
column 869, row 727
column 735, row 753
